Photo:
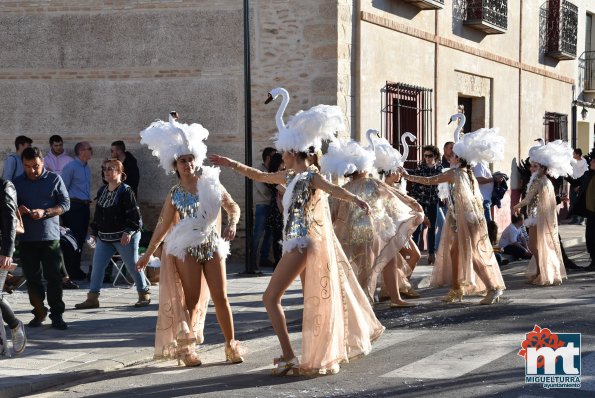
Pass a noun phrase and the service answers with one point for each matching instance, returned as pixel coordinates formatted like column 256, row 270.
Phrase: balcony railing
column 427, row 4
column 489, row 16
column 587, row 70
column 562, row 27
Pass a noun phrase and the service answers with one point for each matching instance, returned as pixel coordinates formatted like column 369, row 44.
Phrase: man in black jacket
column 585, row 207
column 8, row 222
column 130, row 165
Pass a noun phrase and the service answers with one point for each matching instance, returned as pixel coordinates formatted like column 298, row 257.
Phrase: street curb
column 81, row 373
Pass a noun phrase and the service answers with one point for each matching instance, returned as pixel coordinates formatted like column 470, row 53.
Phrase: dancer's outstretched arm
column 434, row 180
column 166, row 219
column 233, row 215
column 250, row 172
column 531, row 192
column 338, row 192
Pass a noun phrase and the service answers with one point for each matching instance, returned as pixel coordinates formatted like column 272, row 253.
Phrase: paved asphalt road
column 432, row 350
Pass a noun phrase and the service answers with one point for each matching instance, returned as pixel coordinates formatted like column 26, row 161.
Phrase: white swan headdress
column 345, row 157
column 484, row 145
column 555, row 155
column 389, row 158
column 170, row 140
column 307, row 128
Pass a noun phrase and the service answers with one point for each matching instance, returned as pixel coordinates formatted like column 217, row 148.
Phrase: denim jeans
column 487, row 204
column 440, row 218
column 129, row 253
column 430, row 212
column 261, row 232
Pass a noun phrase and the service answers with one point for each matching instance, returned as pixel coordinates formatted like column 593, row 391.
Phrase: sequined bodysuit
column 186, row 204
column 297, row 221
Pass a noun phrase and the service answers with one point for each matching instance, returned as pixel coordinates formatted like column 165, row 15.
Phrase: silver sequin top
column 186, row 204
column 297, row 223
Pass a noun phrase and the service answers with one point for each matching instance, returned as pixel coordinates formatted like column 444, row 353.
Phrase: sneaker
column 19, row 339
column 36, row 322
column 58, row 323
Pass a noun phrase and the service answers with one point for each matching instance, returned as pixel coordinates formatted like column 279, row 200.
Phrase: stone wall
column 103, row 70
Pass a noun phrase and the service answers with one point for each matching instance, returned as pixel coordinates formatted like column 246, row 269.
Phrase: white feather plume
column 579, row 167
column 555, row 155
column 193, row 231
column 310, row 128
column 444, row 188
column 484, row 145
column 346, row 157
column 387, row 157
column 170, row 140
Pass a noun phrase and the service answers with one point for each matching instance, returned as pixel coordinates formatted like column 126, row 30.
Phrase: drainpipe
column 356, row 72
column 248, row 138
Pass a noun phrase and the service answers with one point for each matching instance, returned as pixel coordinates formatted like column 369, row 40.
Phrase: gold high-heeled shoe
column 492, row 297
column 234, row 353
column 453, row 295
column 191, row 359
column 285, row 366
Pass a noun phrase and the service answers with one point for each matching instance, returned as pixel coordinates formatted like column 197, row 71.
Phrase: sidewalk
column 118, row 335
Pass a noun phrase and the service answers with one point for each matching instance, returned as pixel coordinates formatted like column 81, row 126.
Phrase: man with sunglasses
column 77, row 179
column 427, row 197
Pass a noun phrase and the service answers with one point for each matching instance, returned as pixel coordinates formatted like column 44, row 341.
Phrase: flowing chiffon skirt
column 372, row 241
column 466, row 228
column 548, row 260
column 338, row 320
column 175, row 336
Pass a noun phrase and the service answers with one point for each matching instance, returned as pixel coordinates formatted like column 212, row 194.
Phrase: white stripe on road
column 554, row 301
column 460, row 359
column 388, row 339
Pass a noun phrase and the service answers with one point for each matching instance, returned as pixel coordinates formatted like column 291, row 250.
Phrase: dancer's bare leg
column 411, row 253
column 189, row 272
column 291, row 265
column 215, row 271
column 391, row 282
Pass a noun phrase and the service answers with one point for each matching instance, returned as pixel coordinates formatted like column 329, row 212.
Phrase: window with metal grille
column 407, row 108
column 555, row 126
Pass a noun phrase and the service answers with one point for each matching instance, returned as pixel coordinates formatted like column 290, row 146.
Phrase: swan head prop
column 306, row 128
column 555, row 155
column 170, row 140
column 484, row 145
column 345, row 157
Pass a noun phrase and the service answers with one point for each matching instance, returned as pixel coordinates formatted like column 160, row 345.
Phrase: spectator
column 578, row 170
column 42, row 197
column 483, row 175
column 447, row 154
column 427, row 197
column 56, row 158
column 275, row 219
column 130, row 165
column 500, row 188
column 585, row 206
column 8, row 222
column 13, row 165
column 77, row 179
column 116, row 227
column 261, row 238
column 513, row 241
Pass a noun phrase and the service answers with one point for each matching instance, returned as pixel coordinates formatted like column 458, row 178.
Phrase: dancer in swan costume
column 546, row 266
column 338, row 321
column 465, row 258
column 388, row 162
column 371, row 241
column 189, row 224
